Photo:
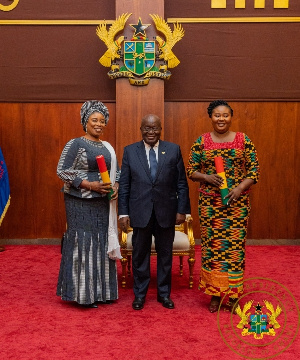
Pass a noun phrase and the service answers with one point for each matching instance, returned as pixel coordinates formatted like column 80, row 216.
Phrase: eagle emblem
column 137, row 58
column 108, row 37
column 171, row 38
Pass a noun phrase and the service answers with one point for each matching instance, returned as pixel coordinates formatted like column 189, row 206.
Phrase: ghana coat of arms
column 258, row 324
column 139, row 58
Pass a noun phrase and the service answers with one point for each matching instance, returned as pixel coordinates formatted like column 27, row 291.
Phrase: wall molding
column 262, row 19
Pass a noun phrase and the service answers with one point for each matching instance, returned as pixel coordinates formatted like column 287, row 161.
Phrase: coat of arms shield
column 139, row 56
column 142, row 59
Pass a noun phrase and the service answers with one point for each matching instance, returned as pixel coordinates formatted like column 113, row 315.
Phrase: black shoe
column 138, row 303
column 166, row 302
column 105, row 302
column 94, row 305
column 109, row 301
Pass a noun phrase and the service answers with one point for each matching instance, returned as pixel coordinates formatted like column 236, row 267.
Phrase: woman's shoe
column 214, row 304
column 107, row 302
column 94, row 305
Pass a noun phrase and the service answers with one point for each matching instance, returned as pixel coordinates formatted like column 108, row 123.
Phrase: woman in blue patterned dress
column 223, row 227
column 88, row 266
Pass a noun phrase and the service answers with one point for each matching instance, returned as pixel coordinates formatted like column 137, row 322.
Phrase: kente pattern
column 223, row 228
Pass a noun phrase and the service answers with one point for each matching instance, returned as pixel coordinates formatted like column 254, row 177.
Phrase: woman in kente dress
column 88, row 272
column 223, row 227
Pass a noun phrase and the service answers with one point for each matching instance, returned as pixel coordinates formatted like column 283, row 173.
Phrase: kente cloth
column 223, row 228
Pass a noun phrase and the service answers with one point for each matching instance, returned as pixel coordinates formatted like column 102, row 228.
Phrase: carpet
column 36, row 324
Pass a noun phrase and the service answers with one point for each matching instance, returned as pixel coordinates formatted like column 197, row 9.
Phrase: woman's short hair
column 217, row 103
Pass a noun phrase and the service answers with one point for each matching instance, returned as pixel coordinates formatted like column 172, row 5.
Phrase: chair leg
column 191, row 268
column 124, row 263
column 180, row 265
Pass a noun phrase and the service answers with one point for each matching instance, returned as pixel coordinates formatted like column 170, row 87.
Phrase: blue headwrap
column 89, row 107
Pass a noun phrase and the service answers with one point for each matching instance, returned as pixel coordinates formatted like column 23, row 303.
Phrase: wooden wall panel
column 32, row 137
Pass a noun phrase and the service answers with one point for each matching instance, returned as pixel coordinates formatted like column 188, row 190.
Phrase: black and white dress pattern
column 87, row 274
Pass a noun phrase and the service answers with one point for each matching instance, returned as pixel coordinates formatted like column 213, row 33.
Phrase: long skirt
column 223, row 235
column 86, row 273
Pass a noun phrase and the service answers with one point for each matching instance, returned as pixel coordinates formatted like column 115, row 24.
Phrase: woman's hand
column 100, row 187
column 234, row 194
column 115, row 193
column 214, row 179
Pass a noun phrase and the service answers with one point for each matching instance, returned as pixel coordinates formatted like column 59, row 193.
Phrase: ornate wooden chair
column 184, row 245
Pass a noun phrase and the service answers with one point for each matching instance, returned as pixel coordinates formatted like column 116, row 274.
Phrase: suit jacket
column 168, row 194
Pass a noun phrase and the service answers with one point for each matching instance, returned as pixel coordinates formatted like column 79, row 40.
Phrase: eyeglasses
column 151, row 129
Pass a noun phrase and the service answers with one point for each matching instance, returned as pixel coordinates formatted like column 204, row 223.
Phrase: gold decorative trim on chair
column 184, row 245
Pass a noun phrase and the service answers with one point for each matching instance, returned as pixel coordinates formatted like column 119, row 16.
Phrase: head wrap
column 89, row 107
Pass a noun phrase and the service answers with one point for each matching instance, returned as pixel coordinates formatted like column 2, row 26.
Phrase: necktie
column 153, row 163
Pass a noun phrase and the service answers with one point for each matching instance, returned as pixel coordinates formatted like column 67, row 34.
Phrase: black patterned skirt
column 86, row 273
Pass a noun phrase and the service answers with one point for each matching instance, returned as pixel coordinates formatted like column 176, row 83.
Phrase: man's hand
column 124, row 223
column 180, row 218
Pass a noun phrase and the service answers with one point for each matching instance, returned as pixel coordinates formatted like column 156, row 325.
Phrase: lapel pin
column 163, row 152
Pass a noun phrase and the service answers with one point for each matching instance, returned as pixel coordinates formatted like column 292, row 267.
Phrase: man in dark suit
column 153, row 198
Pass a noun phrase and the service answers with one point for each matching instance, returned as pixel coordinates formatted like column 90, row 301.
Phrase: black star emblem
column 140, row 28
column 258, row 307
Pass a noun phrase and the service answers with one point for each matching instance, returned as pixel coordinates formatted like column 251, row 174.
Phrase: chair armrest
column 188, row 218
column 190, row 233
column 124, row 238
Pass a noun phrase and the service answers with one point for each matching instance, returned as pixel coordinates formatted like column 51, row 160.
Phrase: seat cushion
column 181, row 242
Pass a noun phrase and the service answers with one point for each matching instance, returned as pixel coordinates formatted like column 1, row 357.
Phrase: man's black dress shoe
column 138, row 303
column 166, row 302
